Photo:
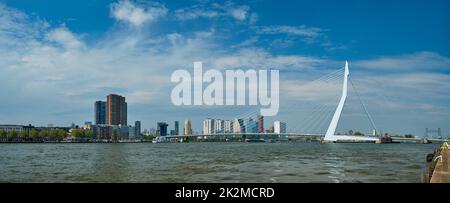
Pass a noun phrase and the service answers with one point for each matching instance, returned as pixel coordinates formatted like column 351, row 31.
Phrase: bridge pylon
column 330, row 135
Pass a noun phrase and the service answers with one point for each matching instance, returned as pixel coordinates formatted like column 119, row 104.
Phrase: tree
column 23, row 134
column 409, row 136
column 34, row 134
column 62, row 134
column 89, row 134
column 53, row 134
column 81, row 133
column 12, row 133
column 78, row 133
column 43, row 134
column 358, row 133
column 2, row 133
column 148, row 137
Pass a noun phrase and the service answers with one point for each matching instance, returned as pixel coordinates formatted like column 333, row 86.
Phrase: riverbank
column 438, row 169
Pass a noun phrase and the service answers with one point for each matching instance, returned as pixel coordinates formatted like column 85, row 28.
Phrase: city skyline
column 68, row 59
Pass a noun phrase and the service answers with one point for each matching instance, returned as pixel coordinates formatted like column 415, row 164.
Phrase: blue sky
column 371, row 28
column 57, row 57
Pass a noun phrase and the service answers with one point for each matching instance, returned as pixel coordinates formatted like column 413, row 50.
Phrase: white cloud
column 239, row 13
column 195, row 12
column 215, row 10
column 259, row 59
column 290, row 30
column 174, row 38
column 135, row 14
column 417, row 61
column 64, row 37
column 17, row 28
column 289, row 35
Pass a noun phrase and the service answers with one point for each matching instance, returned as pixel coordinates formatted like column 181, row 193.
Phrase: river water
column 213, row 162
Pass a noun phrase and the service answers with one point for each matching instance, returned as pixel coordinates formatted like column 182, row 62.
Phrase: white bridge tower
column 331, row 136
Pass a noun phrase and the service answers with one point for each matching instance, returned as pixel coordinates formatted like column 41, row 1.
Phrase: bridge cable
column 364, row 106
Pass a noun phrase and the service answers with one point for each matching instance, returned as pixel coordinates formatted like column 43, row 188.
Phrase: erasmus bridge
column 330, row 135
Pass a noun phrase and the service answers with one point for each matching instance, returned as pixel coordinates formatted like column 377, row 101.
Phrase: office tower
column 162, row 128
column 251, row 126
column 177, row 130
column 137, row 129
column 279, row 127
column 187, row 127
column 116, row 110
column 132, row 133
column 228, row 126
column 260, row 124
column 102, row 132
column 124, row 132
column 239, row 126
column 208, row 126
column 219, row 126
column 100, row 113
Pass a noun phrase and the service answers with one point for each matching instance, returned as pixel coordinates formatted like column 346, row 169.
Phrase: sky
column 58, row 57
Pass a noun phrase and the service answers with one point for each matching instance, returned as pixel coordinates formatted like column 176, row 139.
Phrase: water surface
column 213, row 162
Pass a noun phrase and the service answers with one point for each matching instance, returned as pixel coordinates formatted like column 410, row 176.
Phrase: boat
column 425, row 141
column 387, row 140
column 255, row 140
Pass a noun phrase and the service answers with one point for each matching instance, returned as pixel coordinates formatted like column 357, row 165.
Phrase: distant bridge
column 418, row 139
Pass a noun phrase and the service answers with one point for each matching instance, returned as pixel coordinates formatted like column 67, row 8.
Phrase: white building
column 8, row 128
column 228, row 126
column 279, row 127
column 187, row 127
column 208, row 126
column 238, row 126
column 219, row 126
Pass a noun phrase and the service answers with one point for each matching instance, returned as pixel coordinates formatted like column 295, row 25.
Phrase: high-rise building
column 177, row 130
column 251, row 126
column 238, row 126
column 116, row 110
column 124, row 132
column 100, row 113
column 187, row 127
column 162, row 128
column 228, row 126
column 219, row 126
column 260, row 124
column 102, row 132
column 279, row 127
column 137, row 129
column 208, row 126
column 132, row 133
